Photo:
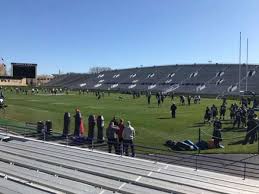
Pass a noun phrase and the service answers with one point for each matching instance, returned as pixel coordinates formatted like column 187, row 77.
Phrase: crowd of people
column 119, row 135
column 242, row 116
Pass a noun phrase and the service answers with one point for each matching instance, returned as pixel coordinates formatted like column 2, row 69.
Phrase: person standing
column 222, row 111
column 128, row 135
column 111, row 134
column 120, row 138
column 252, row 127
column 158, row 101
column 217, row 137
column 207, row 115
column 189, row 100
column 149, row 98
column 173, row 110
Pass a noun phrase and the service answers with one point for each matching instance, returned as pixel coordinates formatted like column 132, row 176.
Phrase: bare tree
column 99, row 69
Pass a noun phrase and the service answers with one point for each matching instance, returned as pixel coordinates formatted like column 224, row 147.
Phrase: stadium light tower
column 246, row 62
column 239, row 75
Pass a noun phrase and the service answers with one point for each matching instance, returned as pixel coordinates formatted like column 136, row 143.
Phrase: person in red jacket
column 120, row 131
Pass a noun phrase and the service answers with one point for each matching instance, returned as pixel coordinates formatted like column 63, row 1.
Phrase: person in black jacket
column 111, row 134
column 252, row 127
column 222, row 111
column 216, row 136
column 173, row 110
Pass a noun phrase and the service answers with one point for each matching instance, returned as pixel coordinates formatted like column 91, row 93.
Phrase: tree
column 99, row 69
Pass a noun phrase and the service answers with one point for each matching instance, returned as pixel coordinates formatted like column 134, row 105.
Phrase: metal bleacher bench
column 4, row 138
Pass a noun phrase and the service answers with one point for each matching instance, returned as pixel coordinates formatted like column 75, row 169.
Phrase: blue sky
column 73, row 35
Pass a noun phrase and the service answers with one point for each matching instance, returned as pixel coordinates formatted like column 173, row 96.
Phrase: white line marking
column 138, row 178
column 123, row 184
column 102, row 192
column 149, row 174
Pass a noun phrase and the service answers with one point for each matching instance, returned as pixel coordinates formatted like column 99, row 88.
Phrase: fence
column 196, row 160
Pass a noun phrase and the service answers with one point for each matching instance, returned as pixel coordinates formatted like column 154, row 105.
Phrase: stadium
column 199, row 79
column 123, row 94
column 129, row 97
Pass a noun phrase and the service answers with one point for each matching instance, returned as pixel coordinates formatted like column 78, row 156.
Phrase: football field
column 153, row 124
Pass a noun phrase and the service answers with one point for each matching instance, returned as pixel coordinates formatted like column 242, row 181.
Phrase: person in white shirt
column 128, row 135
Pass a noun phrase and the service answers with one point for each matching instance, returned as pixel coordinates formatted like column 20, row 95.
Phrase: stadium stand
column 196, row 78
column 28, row 165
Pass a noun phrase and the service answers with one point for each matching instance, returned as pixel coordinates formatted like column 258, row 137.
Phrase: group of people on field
column 240, row 116
column 119, row 135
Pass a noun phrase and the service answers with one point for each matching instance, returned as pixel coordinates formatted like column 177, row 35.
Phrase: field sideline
column 153, row 124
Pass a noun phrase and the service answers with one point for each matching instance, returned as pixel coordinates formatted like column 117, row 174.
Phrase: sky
column 74, row 35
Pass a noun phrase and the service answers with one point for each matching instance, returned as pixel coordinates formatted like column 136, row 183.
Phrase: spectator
column 114, row 120
column 128, row 136
column 111, row 134
column 121, row 128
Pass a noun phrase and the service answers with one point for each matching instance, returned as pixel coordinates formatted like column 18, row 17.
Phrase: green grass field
column 153, row 124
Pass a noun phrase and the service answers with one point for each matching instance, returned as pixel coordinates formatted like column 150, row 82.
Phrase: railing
column 193, row 159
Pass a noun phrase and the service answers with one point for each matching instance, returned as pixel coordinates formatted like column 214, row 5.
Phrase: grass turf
column 153, row 124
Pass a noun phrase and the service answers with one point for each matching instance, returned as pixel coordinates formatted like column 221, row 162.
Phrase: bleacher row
column 197, row 78
column 33, row 166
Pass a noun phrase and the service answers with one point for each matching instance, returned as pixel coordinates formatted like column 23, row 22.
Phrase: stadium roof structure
column 216, row 79
column 34, row 166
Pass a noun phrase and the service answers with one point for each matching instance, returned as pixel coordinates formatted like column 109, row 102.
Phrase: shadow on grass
column 239, row 142
column 200, row 124
column 231, row 129
column 164, row 118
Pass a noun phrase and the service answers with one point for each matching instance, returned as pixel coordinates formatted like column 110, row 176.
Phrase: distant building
column 43, row 79
column 10, row 81
column 2, row 69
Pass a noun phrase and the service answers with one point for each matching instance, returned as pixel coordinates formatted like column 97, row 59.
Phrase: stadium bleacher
column 196, row 78
column 28, row 165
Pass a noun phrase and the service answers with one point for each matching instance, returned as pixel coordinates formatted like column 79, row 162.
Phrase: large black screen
column 24, row 70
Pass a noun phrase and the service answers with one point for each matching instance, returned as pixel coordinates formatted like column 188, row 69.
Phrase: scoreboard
column 24, row 70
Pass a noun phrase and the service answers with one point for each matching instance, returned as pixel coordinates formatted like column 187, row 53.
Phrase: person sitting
column 128, row 135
